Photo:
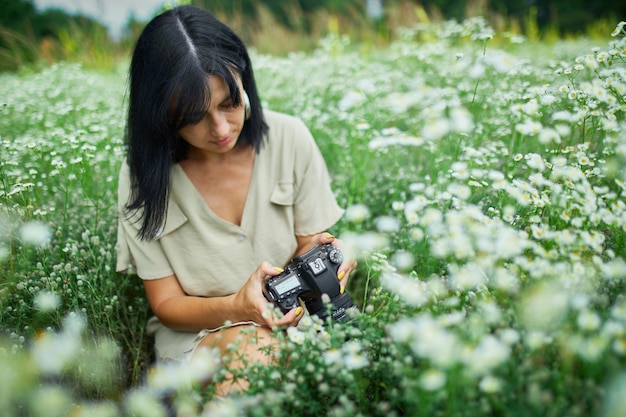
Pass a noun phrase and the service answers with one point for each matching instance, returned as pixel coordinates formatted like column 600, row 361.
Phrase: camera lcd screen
column 287, row 284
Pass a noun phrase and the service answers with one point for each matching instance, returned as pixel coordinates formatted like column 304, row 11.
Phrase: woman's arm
column 182, row 312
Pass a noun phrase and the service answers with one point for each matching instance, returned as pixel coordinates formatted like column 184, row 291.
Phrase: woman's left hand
column 349, row 263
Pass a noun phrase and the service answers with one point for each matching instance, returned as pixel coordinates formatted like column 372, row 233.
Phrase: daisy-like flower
column 362, row 126
column 432, row 380
column 411, row 291
column 588, row 320
column 47, row 301
column 584, row 160
column 436, row 128
column 387, row 224
column 35, row 233
column 618, row 29
column 490, row 384
column 416, row 233
column 143, row 403
column 357, row 213
column 295, row 335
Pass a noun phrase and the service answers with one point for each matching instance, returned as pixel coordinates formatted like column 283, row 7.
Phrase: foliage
column 484, row 190
column 29, row 36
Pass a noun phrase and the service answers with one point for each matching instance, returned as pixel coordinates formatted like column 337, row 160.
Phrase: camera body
column 307, row 277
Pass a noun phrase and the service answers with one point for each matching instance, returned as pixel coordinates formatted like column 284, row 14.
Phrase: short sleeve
column 315, row 204
column 145, row 258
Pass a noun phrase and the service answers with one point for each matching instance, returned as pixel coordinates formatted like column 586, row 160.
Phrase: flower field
column 484, row 185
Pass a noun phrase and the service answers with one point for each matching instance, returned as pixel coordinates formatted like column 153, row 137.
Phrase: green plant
column 484, row 196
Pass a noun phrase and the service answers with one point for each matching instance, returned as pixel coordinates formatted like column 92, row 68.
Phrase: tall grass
column 484, row 188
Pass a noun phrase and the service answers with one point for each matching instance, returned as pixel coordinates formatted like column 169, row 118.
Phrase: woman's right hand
column 253, row 305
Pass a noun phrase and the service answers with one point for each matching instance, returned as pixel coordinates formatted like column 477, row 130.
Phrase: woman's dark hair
column 169, row 89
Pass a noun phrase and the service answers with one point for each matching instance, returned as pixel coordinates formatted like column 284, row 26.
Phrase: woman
column 216, row 194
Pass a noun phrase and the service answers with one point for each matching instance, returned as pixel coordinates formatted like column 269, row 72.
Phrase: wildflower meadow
column 483, row 178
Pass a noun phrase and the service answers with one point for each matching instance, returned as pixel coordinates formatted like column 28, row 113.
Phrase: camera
column 308, row 277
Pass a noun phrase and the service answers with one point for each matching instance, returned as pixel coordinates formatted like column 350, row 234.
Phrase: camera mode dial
column 335, row 256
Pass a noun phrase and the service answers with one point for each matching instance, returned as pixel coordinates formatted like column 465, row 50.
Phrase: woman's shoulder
column 286, row 129
column 283, row 121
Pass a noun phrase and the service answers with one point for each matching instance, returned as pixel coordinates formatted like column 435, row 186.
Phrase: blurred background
column 99, row 33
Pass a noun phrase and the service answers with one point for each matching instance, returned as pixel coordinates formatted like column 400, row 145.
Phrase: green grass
column 492, row 256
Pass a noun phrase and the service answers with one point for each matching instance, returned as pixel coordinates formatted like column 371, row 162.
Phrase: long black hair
column 169, row 89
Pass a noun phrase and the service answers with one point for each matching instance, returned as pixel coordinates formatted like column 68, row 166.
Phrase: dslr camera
column 307, row 277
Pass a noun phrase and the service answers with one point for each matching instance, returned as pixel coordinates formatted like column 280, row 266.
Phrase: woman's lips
column 223, row 142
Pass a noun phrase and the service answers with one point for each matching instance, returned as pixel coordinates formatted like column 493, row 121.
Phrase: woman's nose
column 219, row 124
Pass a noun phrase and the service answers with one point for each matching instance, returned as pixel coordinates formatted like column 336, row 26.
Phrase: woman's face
column 219, row 130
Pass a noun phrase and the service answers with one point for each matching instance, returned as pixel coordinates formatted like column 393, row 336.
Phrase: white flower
column 295, row 335
column 397, row 205
column 490, row 384
column 50, row 401
column 171, row 376
column 460, row 170
column 360, row 243
column 432, row 380
column 362, row 125
column 416, row 234
column 402, row 331
column 52, row 352
column 435, row 129
column 618, row 29
column 548, row 135
column 428, row 339
column 531, row 108
column 411, row 291
column 509, row 336
column 509, row 243
column 461, row 120
column 466, row 277
column 222, row 407
column 505, row 280
column 545, row 307
column 332, row 356
column 403, row 260
column 588, row 320
column 528, row 128
column 355, row 361
column 357, row 213
column 487, row 355
column 47, row 301
column 535, row 161
column 142, row 403
column 35, row 233
column 352, row 99
column 387, row 224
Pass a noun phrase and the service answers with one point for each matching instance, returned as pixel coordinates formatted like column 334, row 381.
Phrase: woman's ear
column 246, row 101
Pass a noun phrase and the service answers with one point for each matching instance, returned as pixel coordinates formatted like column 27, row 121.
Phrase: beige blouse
column 289, row 195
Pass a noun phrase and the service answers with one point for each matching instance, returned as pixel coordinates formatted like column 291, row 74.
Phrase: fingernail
column 329, row 236
column 278, row 269
column 342, row 289
column 341, row 275
column 298, row 311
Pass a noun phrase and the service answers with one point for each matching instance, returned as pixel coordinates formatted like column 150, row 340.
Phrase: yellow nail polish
column 329, row 236
column 278, row 269
column 298, row 311
column 342, row 289
column 341, row 275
